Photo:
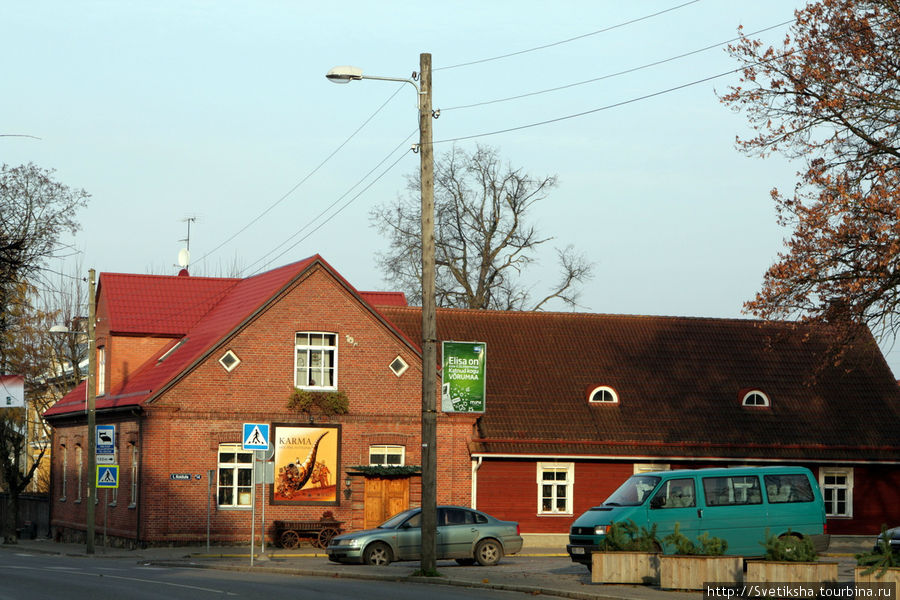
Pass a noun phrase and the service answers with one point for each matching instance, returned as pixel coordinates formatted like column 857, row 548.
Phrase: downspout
column 140, row 480
column 476, row 464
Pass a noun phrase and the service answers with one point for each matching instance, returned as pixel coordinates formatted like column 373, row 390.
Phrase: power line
column 302, row 181
column 592, row 111
column 329, row 207
column 616, row 74
column 566, row 41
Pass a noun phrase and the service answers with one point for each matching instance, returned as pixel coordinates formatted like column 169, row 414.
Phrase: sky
column 220, row 112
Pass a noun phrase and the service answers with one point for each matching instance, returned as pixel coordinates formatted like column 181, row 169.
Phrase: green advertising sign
column 462, row 379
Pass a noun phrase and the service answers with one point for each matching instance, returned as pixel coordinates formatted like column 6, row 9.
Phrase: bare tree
column 35, row 211
column 483, row 243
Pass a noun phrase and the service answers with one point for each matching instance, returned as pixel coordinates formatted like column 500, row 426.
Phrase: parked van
column 737, row 505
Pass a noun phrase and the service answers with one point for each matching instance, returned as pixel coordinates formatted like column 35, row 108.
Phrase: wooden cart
column 320, row 532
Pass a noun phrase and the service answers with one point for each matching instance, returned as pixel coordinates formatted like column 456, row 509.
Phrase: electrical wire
column 566, row 41
column 302, row 181
column 330, row 206
column 616, row 74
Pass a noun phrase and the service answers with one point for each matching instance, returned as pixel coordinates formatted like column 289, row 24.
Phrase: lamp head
column 344, row 74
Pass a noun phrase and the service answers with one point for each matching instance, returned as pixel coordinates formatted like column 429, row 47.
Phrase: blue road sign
column 106, row 439
column 256, row 436
column 107, row 476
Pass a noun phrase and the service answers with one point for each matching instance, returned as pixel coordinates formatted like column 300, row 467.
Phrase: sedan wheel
column 488, row 552
column 377, row 554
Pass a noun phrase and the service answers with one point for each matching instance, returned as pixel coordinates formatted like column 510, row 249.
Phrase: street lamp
column 90, row 402
column 347, row 74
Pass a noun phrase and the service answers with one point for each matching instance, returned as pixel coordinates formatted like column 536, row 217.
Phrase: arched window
column 603, row 395
column 755, row 398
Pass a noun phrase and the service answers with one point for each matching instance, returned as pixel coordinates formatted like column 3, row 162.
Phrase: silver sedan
column 464, row 534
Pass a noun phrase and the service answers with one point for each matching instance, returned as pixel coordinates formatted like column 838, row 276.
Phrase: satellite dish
column 184, row 257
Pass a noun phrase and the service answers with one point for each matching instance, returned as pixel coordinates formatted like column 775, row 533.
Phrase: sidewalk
column 543, row 570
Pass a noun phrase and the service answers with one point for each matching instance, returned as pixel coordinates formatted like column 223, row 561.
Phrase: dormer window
column 756, row 399
column 603, row 395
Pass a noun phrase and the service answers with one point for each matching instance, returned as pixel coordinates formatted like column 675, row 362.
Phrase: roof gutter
column 657, row 444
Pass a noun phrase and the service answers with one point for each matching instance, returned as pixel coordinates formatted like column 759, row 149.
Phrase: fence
column 34, row 515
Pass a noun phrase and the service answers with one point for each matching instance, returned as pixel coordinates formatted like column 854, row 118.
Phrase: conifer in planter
column 881, row 565
column 628, row 554
column 695, row 564
column 790, row 558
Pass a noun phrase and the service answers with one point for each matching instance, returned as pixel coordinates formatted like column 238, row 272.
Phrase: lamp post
column 429, row 327
column 90, row 401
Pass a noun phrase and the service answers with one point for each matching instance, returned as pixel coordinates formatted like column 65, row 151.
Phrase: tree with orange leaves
column 829, row 95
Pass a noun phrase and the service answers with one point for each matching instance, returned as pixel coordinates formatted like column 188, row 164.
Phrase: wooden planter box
column 791, row 572
column 891, row 575
column 625, row 567
column 678, row 572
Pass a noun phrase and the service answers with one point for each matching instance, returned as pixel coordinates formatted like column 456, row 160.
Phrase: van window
column 675, row 493
column 634, row 491
column 728, row 491
column 788, row 488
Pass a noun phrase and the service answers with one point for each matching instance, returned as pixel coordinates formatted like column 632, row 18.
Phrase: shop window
column 234, row 485
column 315, row 361
column 555, row 481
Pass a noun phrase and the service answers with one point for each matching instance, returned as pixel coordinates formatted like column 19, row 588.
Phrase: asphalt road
column 37, row 577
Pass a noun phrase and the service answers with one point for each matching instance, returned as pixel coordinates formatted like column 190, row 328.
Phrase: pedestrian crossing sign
column 256, row 436
column 107, row 476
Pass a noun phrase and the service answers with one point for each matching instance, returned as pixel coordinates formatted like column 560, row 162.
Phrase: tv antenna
column 184, row 255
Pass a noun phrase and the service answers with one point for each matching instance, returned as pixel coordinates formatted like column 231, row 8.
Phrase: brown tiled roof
column 680, row 382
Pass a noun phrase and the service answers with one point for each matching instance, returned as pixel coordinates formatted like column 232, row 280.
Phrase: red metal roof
column 225, row 305
column 159, row 304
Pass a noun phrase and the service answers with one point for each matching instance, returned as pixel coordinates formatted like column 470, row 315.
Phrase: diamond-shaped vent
column 399, row 366
column 229, row 360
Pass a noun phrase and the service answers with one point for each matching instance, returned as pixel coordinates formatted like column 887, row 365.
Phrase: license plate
column 577, row 550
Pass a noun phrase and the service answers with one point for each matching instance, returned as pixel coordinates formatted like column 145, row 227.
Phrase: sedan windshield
column 634, row 491
column 398, row 519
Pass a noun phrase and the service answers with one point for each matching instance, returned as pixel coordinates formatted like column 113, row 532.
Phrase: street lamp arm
column 346, row 74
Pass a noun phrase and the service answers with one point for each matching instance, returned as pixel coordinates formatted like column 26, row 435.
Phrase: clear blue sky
column 220, row 110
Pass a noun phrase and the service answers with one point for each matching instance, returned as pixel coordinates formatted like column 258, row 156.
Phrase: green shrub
column 789, row 547
column 705, row 546
column 329, row 403
column 627, row 536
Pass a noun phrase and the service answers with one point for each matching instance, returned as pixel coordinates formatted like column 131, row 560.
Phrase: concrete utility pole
column 429, row 324
column 91, row 416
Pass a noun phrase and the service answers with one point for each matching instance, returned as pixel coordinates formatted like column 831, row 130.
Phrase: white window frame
column 309, row 348
column 603, row 391
column 65, row 471
column 846, row 487
column 135, row 456
column 568, row 469
column 766, row 402
column 79, row 466
column 235, row 467
column 101, row 370
column 388, row 450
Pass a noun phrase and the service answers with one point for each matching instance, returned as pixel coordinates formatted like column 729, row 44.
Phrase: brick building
column 575, row 404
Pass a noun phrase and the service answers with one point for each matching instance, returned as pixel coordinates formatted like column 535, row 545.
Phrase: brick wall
column 182, row 429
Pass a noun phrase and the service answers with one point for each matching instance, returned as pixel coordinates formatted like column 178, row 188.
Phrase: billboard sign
column 463, row 377
column 307, row 464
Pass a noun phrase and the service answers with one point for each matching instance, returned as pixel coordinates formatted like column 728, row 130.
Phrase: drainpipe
column 476, row 464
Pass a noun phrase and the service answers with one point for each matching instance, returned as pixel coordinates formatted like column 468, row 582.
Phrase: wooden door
column 385, row 497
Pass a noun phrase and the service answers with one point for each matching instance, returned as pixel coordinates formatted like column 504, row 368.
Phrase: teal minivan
column 735, row 504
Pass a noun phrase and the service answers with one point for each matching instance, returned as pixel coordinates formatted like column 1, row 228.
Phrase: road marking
column 74, row 571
